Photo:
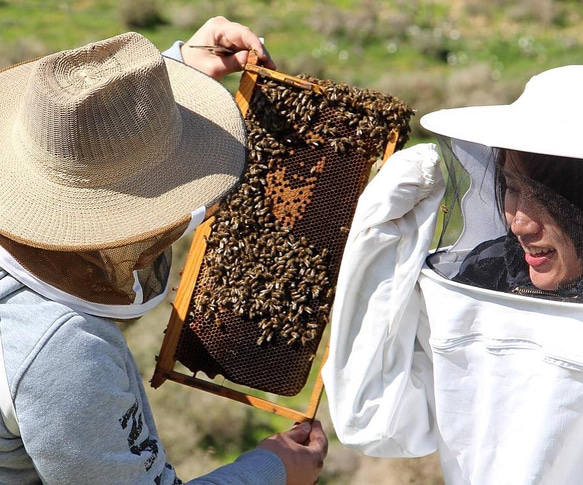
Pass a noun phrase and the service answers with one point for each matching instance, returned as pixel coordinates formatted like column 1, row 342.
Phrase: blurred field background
column 431, row 54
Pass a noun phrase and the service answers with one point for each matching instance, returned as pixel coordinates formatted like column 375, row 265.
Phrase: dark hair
column 562, row 175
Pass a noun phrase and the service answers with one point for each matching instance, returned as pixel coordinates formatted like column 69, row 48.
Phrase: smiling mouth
column 537, row 251
column 537, row 256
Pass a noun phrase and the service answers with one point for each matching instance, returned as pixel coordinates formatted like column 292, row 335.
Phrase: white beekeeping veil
column 513, row 210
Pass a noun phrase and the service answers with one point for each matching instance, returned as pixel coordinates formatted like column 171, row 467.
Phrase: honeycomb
column 266, row 283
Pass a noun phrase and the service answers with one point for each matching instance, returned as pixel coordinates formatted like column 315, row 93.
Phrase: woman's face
column 549, row 252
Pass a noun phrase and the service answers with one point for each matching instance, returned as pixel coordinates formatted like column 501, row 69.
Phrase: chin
column 545, row 283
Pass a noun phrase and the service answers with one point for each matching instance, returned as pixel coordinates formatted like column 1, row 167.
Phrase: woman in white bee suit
column 475, row 348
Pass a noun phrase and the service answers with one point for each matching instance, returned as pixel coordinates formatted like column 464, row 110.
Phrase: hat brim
column 207, row 164
column 511, row 126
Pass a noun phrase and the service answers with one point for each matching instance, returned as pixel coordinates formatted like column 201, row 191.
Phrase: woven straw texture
column 110, row 144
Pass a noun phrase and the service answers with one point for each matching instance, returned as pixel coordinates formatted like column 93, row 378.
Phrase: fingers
column 313, row 437
column 240, row 37
column 302, row 451
column 318, row 440
column 249, row 41
column 300, row 433
column 233, row 36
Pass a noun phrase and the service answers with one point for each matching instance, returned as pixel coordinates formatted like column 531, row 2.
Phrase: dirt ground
column 402, row 471
column 347, row 467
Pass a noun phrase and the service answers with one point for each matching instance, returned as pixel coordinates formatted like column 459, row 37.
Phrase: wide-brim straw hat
column 545, row 119
column 112, row 143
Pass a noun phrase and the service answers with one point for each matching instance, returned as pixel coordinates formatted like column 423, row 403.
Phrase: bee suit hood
column 475, row 143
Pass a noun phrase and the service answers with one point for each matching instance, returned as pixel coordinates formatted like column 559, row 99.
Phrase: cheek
column 570, row 252
column 509, row 209
column 567, row 251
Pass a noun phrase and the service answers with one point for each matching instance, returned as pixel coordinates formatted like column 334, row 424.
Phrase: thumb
column 300, row 433
column 239, row 59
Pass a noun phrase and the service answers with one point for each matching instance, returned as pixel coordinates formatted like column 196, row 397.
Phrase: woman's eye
column 512, row 190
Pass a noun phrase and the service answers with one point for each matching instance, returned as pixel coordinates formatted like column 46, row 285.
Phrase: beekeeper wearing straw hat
column 471, row 346
column 109, row 154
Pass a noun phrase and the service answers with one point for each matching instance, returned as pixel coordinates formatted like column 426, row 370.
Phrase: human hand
column 231, row 35
column 302, row 450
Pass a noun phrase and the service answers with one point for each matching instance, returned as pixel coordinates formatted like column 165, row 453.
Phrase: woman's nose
column 524, row 223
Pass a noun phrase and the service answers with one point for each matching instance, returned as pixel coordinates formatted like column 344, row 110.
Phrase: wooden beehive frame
column 165, row 366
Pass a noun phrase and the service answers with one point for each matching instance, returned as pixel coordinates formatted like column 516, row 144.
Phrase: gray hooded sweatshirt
column 83, row 414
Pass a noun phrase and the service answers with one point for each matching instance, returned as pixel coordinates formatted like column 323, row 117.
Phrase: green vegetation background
column 430, row 53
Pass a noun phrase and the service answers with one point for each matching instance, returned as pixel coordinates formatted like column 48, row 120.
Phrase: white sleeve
column 174, row 51
column 379, row 383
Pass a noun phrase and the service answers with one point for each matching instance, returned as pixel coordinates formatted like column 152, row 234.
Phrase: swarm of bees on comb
column 272, row 256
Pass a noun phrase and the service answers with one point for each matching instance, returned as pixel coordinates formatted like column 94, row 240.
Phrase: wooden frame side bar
column 166, row 359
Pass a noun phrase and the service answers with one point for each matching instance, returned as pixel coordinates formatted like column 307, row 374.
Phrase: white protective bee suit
column 419, row 362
